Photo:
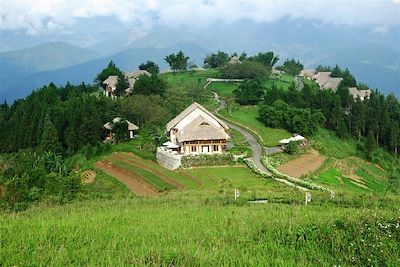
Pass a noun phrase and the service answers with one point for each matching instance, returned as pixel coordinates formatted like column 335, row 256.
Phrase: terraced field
column 147, row 178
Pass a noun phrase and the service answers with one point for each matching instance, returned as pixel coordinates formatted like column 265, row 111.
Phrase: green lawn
column 189, row 78
column 223, row 89
column 283, row 82
column 331, row 177
column 248, row 116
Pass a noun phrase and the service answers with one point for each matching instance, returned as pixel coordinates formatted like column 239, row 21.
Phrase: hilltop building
column 323, row 78
column 132, row 77
column 110, row 84
column 110, row 125
column 362, row 94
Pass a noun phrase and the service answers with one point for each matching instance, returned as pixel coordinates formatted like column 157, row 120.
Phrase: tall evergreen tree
column 50, row 141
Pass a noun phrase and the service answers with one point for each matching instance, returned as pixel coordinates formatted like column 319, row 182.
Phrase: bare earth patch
column 133, row 160
column 303, row 165
column 135, row 183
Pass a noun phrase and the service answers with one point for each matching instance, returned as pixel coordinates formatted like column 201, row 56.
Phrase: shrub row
column 208, row 160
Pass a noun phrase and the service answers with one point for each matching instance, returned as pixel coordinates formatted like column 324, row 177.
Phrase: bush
column 207, row 160
column 246, row 70
column 292, row 148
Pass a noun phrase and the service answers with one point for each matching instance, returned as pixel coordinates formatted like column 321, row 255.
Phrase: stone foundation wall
column 168, row 159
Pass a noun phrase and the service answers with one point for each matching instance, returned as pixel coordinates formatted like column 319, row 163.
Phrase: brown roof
column 201, row 129
column 359, row 93
column 332, row 83
column 110, row 125
column 136, row 74
column 307, row 73
column 111, row 81
column 189, row 110
column 322, row 78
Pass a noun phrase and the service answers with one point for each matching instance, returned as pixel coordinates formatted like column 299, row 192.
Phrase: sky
column 40, row 17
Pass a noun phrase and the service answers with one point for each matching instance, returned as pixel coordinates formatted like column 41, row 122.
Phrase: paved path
column 255, row 146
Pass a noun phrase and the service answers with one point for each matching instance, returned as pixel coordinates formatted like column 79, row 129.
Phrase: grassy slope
column 197, row 232
column 344, row 152
column 248, row 115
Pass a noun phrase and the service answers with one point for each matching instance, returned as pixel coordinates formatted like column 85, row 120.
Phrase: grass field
column 248, row 116
column 202, row 225
column 283, row 82
column 195, row 231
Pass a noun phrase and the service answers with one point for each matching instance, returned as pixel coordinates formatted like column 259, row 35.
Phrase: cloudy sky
column 36, row 17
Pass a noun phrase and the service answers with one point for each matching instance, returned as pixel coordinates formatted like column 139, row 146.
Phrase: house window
column 193, row 149
column 215, row 148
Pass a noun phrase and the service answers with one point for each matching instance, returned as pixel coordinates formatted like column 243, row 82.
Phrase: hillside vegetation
column 135, row 212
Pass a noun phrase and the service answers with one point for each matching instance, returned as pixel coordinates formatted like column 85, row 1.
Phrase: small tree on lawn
column 250, row 92
column 178, row 62
column 292, row 67
column 150, row 85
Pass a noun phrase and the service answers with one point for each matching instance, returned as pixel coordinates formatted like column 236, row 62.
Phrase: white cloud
column 41, row 16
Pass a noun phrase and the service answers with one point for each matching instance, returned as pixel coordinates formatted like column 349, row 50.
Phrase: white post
column 308, row 197
column 237, row 193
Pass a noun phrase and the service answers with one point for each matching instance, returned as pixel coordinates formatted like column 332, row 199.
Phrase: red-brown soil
column 303, row 165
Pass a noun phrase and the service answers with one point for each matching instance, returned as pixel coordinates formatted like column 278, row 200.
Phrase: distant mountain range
column 372, row 57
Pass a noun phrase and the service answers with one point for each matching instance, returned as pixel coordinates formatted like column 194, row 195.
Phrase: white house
column 197, row 131
column 110, row 86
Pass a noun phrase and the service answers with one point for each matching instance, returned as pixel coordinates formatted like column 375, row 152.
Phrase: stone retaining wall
column 167, row 159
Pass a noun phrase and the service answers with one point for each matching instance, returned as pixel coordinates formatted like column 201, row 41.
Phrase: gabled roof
column 307, row 73
column 110, row 125
column 322, row 77
column 201, row 129
column 332, row 83
column 136, row 74
column 111, row 81
column 189, row 110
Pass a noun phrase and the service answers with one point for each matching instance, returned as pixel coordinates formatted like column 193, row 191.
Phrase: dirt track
column 303, row 165
column 132, row 181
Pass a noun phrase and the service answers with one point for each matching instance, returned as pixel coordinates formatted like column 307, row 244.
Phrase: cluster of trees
column 296, row 120
column 150, row 66
column 257, row 66
column 32, row 177
column 216, row 60
column 245, row 70
column 377, row 118
column 250, row 92
column 292, row 67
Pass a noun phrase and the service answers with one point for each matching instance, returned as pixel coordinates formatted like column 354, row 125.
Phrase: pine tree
column 50, row 141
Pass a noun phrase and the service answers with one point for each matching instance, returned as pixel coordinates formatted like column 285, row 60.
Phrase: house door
column 205, row 149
